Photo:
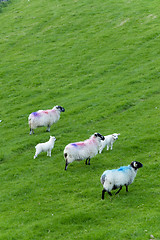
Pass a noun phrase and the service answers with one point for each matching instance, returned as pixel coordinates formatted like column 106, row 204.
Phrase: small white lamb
column 45, row 147
column 109, row 140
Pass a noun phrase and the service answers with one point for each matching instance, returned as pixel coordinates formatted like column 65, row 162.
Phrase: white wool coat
column 45, row 147
column 82, row 150
column 44, row 118
column 113, row 179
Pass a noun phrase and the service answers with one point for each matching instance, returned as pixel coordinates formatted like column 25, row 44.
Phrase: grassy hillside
column 100, row 61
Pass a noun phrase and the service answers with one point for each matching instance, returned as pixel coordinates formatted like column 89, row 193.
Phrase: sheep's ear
column 95, row 134
column 135, row 164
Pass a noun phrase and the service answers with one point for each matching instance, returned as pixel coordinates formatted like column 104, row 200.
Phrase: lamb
column 82, row 150
column 44, row 118
column 45, row 147
column 109, row 140
column 116, row 178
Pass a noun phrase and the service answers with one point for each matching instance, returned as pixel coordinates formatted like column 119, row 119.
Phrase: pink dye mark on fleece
column 83, row 144
column 80, row 144
column 91, row 140
column 45, row 111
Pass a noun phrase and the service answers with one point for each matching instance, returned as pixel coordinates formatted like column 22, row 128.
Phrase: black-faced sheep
column 82, row 150
column 45, row 118
column 116, row 178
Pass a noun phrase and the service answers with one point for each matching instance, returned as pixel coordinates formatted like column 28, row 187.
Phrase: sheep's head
column 115, row 136
column 52, row 137
column 99, row 135
column 61, row 109
column 136, row 165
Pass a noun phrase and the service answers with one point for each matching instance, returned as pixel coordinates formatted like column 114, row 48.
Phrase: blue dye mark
column 73, row 144
column 35, row 114
column 123, row 169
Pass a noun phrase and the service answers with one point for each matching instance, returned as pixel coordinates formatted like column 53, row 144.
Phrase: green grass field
column 100, row 60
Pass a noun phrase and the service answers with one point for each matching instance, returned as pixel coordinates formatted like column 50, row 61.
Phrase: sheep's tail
column 29, row 121
column 102, row 179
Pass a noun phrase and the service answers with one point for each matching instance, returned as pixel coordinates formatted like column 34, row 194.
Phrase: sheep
column 116, row 178
column 44, row 118
column 82, row 150
column 45, row 147
column 109, row 140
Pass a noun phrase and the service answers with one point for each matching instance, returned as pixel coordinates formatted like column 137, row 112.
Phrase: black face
column 99, row 135
column 136, row 165
column 61, row 108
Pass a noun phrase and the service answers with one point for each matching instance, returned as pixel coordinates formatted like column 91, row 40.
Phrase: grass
column 100, row 61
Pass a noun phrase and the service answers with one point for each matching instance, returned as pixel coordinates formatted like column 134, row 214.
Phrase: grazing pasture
column 100, row 60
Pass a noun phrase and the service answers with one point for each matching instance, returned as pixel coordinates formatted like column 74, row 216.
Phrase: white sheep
column 45, row 147
column 116, row 178
column 82, row 150
column 45, row 118
column 109, row 140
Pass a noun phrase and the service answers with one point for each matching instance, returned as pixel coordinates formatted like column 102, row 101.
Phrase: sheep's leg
column 111, row 145
column 126, row 188
column 31, row 131
column 100, row 150
column 49, row 153
column 103, row 192
column 107, row 147
column 66, row 165
column 88, row 161
column 119, row 190
column 36, row 154
column 48, row 129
